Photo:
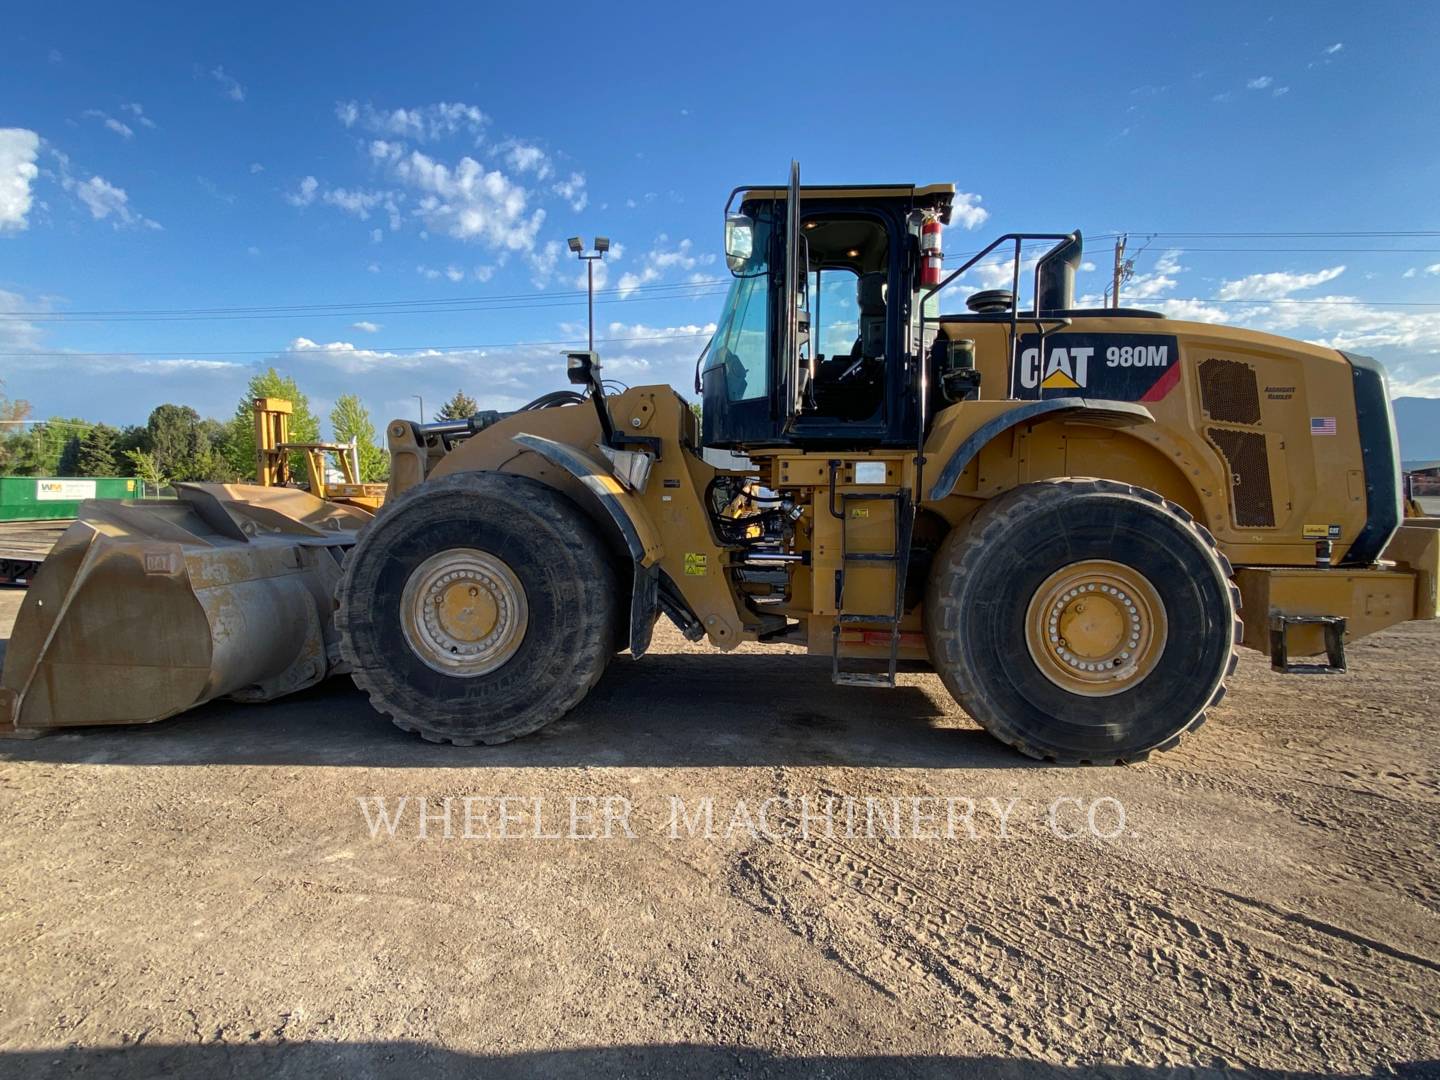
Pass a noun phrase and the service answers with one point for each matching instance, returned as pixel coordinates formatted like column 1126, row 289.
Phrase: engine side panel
column 1263, row 430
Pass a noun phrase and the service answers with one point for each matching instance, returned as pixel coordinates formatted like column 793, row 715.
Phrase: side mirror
column 583, row 368
column 739, row 241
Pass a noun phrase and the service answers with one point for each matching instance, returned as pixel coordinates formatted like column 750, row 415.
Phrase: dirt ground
column 205, row 897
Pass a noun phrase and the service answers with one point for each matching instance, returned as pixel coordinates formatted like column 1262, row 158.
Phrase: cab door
column 790, row 370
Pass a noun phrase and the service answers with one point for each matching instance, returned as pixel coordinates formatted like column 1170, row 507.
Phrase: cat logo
column 1064, row 368
column 1120, row 367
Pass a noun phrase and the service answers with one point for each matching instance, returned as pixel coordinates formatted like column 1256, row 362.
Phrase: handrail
column 922, row 384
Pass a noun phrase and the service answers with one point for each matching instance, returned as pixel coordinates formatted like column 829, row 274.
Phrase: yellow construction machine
column 272, row 460
column 1072, row 515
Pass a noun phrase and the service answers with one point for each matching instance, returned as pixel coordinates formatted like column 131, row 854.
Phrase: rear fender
column 632, row 524
column 1090, row 410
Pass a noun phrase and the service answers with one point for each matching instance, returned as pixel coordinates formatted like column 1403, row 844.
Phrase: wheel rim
column 1096, row 628
column 464, row 612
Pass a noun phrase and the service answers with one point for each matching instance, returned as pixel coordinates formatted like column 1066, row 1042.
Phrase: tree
column 69, row 464
column 240, row 441
column 351, row 420
column 95, row 454
column 147, row 469
column 37, row 452
column 13, row 412
column 460, row 407
column 176, row 443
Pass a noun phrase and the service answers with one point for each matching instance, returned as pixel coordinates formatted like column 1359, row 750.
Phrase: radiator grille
column 1249, row 463
column 1228, row 391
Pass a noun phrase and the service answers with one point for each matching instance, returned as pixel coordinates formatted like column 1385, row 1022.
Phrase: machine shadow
column 408, row 1059
column 667, row 709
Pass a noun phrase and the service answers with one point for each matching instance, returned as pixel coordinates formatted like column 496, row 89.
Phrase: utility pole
column 1119, row 273
column 421, row 400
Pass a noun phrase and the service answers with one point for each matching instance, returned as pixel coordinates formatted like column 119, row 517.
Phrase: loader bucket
column 146, row 608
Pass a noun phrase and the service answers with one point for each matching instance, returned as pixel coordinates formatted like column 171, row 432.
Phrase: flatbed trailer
column 24, row 545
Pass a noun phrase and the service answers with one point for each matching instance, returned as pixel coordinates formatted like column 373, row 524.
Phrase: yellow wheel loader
column 1073, row 516
column 273, row 448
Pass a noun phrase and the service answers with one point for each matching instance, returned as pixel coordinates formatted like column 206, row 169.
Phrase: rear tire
column 1135, row 582
column 478, row 608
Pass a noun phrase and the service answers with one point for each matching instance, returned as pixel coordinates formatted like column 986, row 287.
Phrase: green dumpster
column 43, row 498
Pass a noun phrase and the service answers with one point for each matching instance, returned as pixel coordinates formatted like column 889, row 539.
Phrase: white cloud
column 1262, row 82
column 256, row 167
column 104, row 200
column 1331, row 50
column 376, row 236
column 1433, row 268
column 1407, row 342
column 304, row 195
column 466, row 201
column 966, row 210
column 1280, row 91
column 118, row 126
column 660, row 260
column 1343, row 322
column 649, row 354
column 18, row 149
column 1157, row 282
column 544, row 262
column 135, row 109
column 367, row 326
column 525, row 158
column 420, row 123
column 229, row 85
column 573, row 191
column 1274, row 285
column 359, row 203
column 455, row 273
column 1190, row 310
column 1409, row 273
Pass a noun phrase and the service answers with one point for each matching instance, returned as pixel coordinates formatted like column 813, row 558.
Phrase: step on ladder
column 898, row 558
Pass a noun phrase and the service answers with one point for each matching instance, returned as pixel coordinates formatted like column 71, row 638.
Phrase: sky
column 375, row 198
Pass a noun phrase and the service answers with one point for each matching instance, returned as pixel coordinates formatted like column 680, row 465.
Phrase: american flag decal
column 1322, row 425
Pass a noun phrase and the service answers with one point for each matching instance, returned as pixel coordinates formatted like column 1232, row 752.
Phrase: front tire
column 478, row 608
column 1083, row 621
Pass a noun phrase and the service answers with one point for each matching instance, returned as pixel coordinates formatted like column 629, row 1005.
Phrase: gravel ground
column 207, row 896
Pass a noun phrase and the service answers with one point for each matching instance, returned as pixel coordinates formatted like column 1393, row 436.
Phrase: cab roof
column 936, row 197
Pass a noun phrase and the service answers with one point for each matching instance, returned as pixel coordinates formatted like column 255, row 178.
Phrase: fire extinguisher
column 932, row 259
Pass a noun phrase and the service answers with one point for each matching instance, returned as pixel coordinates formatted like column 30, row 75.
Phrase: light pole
column 602, row 245
column 421, row 400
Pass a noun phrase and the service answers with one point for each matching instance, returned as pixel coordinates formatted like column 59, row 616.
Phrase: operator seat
column 870, row 295
column 852, row 387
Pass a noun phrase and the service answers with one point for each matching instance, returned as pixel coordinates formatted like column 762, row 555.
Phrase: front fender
column 1097, row 410
column 633, row 524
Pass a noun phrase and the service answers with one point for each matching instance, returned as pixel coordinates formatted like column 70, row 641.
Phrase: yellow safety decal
column 695, row 564
column 859, row 511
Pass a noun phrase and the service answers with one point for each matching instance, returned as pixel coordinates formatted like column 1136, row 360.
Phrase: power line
column 1295, row 300
column 187, row 353
column 428, row 306
column 1288, row 235
column 1320, row 251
